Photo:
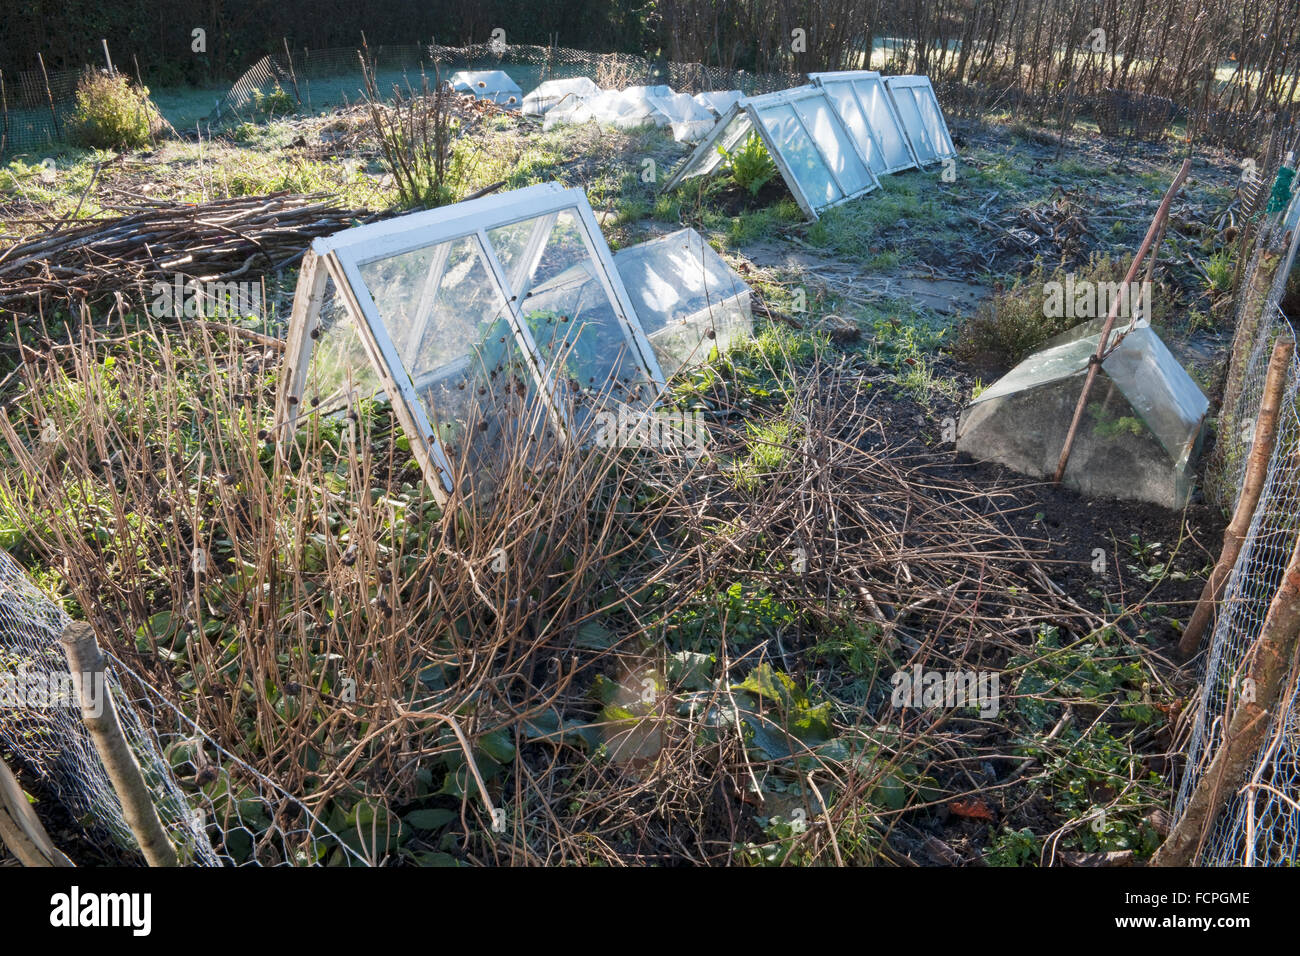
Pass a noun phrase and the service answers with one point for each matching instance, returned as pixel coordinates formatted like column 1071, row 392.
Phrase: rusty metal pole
column 1095, row 363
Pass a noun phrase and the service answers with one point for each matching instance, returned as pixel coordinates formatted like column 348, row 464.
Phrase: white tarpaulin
column 555, row 93
column 637, row 106
column 718, row 102
column 491, row 85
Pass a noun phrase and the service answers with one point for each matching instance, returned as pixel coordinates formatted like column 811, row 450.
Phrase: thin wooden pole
column 86, row 664
column 293, row 77
column 1095, row 363
column 1234, row 536
column 4, row 103
column 49, row 97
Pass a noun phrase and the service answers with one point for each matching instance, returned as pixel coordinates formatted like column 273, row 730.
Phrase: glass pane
column 873, row 95
column 834, row 143
column 800, row 155
column 906, row 104
column 935, row 128
column 846, row 104
column 708, row 160
column 585, row 346
column 688, row 299
column 449, row 322
column 339, row 372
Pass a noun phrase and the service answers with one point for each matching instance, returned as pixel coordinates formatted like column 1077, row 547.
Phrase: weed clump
column 113, row 113
column 1015, row 321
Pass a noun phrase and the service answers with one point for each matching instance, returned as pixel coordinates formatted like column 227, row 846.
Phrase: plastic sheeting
column 491, row 85
column 555, row 93
column 637, row 106
column 1140, row 432
column 719, row 102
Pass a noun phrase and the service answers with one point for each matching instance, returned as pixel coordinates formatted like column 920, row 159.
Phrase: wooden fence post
column 1234, row 536
column 1270, row 661
column 86, row 663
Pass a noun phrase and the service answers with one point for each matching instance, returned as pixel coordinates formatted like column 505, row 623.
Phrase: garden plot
column 827, row 457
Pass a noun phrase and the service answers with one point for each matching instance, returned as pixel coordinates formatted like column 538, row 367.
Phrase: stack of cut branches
column 211, row 242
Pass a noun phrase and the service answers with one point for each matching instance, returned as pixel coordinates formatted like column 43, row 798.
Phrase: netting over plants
column 215, row 808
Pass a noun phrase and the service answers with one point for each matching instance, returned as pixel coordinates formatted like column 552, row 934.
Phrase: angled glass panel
column 908, row 111
column 855, row 121
column 688, row 299
column 339, row 372
column 800, row 155
column 936, row 130
column 449, row 320
column 707, row 157
column 587, row 349
column 1159, row 389
column 875, row 100
column 833, row 141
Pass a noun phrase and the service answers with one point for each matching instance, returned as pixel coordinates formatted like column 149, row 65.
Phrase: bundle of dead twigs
column 217, row 241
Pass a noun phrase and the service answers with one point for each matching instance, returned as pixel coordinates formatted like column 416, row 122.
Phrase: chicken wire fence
column 321, row 79
column 1260, row 822
column 216, row 809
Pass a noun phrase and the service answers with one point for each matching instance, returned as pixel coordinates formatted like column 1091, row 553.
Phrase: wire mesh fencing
column 35, row 107
column 217, row 810
column 1260, row 822
column 323, row 79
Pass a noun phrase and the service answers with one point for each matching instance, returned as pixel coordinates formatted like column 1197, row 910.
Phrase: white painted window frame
column 752, row 106
column 941, row 151
column 855, row 77
column 341, row 255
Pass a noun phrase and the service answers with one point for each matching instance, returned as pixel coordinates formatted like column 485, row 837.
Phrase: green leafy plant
column 274, row 102
column 1107, row 427
column 1219, row 269
column 113, row 113
column 749, row 165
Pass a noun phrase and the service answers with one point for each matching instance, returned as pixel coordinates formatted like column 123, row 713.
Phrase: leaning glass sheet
column 1140, row 430
column 828, row 132
column 917, row 106
column 591, row 356
column 800, row 155
column 487, row 322
column 860, row 99
column 730, row 131
column 689, row 301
